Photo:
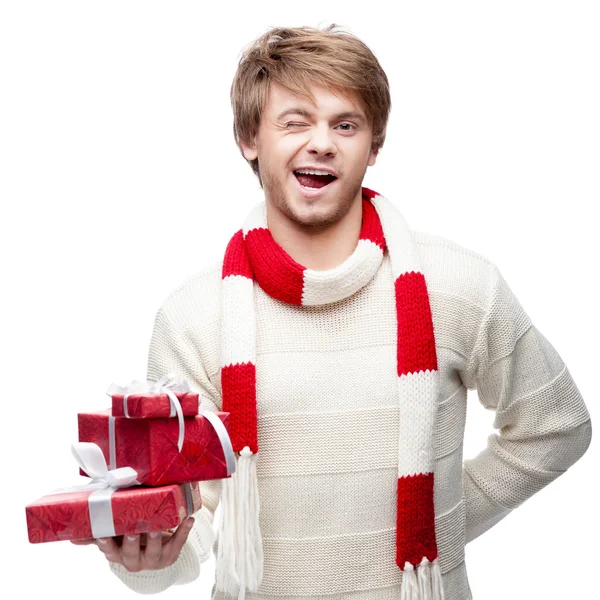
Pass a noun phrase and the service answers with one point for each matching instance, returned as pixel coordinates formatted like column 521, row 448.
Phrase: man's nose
column 321, row 140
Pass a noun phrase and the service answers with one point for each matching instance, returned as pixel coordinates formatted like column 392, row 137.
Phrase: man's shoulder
column 443, row 246
column 455, row 269
column 196, row 296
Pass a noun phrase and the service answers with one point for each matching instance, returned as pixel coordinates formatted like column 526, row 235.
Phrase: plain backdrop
column 119, row 177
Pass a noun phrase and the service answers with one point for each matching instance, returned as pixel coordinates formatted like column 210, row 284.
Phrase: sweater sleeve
column 171, row 351
column 543, row 424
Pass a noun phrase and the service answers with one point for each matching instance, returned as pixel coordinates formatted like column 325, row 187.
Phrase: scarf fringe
column 424, row 584
column 240, row 558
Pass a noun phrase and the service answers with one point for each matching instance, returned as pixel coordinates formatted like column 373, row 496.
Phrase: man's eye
column 349, row 125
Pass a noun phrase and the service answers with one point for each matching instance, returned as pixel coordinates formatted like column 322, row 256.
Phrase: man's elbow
column 579, row 439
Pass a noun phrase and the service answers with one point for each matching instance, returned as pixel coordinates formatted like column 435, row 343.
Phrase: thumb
column 181, row 534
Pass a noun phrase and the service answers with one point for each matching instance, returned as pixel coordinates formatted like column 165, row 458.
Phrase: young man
column 343, row 345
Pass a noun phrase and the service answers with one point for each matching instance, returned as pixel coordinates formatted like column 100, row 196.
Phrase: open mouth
column 313, row 182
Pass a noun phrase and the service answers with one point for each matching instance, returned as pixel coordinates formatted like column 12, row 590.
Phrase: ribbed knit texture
column 328, row 424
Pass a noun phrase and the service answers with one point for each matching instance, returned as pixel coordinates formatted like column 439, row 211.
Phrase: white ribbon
column 224, row 438
column 104, row 484
column 165, row 385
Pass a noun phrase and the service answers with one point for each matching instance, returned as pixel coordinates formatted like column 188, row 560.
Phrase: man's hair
column 298, row 57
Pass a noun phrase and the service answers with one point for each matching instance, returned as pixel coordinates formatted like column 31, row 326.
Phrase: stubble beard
column 275, row 191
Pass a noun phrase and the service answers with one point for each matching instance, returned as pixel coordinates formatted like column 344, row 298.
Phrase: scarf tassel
column 240, row 557
column 425, row 584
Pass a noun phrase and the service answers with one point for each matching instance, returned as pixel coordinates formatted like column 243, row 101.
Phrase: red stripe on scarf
column 277, row 273
column 371, row 225
column 238, row 384
column 416, row 342
column 236, row 260
column 368, row 193
column 415, row 521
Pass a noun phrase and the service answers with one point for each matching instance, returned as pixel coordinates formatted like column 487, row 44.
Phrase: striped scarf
column 252, row 255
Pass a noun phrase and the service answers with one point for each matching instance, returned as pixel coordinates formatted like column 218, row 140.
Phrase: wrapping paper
column 138, row 509
column 150, row 446
column 153, row 406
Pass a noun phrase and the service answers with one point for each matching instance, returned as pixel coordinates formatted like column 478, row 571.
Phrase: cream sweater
column 328, row 420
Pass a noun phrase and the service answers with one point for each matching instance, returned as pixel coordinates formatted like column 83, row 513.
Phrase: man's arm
column 544, row 425
column 169, row 351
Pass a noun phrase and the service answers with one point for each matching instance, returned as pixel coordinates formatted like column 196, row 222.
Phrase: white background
column 120, row 177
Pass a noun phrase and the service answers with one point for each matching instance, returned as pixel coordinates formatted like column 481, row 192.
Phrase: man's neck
column 319, row 249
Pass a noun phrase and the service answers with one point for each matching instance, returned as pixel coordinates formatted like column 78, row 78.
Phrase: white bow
column 165, row 385
column 104, row 484
column 92, row 461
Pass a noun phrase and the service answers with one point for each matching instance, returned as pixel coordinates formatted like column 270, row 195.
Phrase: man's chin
column 316, row 213
column 311, row 213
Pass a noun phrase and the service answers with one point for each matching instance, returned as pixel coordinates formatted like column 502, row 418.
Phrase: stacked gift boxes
column 145, row 455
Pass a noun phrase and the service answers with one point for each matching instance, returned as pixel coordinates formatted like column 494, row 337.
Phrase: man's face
column 320, row 136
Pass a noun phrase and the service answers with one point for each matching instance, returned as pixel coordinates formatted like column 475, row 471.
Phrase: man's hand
column 156, row 550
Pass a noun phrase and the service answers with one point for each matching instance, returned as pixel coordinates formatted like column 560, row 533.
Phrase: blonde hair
column 298, row 57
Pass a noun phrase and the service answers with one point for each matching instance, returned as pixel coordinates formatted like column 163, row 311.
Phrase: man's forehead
column 281, row 100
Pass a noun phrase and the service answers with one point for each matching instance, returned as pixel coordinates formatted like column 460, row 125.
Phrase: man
column 316, row 331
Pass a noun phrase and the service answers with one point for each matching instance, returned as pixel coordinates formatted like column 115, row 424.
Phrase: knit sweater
column 328, row 424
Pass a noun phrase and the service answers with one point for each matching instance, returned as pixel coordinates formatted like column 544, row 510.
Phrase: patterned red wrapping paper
column 154, row 406
column 135, row 510
column 150, row 446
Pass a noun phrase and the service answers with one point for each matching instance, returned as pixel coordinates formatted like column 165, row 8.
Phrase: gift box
column 148, row 405
column 150, row 446
column 111, row 505
column 146, row 400
column 135, row 510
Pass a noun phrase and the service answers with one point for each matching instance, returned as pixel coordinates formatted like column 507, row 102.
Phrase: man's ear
column 373, row 157
column 249, row 149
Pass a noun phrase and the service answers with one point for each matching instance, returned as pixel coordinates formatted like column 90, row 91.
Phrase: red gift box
column 66, row 516
column 148, row 405
column 150, row 446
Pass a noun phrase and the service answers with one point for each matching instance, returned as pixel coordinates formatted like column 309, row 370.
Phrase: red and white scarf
column 252, row 256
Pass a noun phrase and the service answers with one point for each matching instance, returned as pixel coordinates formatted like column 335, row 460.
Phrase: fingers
column 154, row 551
column 86, row 542
column 130, row 553
column 161, row 549
column 110, row 549
column 166, row 536
column 172, row 548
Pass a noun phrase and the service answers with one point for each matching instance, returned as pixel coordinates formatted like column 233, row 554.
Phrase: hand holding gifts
column 136, row 554
column 142, row 445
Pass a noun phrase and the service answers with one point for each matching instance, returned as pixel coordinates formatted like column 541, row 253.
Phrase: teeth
column 312, row 172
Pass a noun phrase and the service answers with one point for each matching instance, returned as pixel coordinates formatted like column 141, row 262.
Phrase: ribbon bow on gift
column 104, row 484
column 165, row 385
column 92, row 462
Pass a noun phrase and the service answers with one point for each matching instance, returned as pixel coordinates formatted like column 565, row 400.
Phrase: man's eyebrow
column 305, row 113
